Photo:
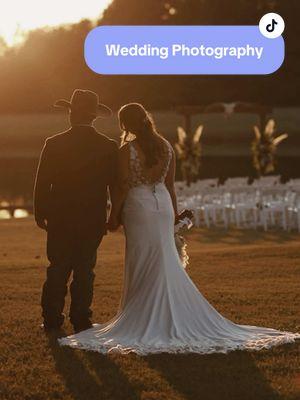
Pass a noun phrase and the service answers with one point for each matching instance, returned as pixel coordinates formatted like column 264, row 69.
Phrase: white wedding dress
column 161, row 309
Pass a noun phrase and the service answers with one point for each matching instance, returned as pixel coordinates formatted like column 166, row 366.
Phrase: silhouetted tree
column 50, row 63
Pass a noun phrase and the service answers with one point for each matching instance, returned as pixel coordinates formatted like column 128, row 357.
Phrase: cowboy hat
column 85, row 101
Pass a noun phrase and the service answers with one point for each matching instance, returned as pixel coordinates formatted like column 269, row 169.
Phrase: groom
column 76, row 169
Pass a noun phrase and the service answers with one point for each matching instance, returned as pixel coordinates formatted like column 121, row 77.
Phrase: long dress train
column 161, row 308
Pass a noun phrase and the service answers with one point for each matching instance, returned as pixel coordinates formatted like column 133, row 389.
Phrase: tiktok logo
column 271, row 25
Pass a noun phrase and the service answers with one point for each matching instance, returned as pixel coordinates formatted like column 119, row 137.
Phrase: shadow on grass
column 89, row 375
column 244, row 236
column 233, row 376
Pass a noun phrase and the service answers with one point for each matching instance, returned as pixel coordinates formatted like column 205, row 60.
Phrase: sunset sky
column 17, row 16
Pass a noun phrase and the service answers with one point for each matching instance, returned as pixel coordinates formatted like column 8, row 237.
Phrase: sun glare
column 19, row 16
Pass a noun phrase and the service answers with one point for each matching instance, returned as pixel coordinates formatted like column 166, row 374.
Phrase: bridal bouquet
column 185, row 223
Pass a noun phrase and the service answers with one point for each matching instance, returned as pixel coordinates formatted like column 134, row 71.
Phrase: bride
column 161, row 309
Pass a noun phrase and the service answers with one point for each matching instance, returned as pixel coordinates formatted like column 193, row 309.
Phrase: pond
column 18, row 213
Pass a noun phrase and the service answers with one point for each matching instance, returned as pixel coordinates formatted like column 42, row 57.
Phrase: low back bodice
column 140, row 175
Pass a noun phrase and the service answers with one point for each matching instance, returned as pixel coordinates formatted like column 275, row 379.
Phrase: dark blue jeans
column 70, row 249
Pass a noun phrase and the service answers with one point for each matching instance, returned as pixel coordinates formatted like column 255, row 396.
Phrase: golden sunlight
column 19, row 16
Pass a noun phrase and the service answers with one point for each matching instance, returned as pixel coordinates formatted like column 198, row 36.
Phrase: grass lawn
column 250, row 277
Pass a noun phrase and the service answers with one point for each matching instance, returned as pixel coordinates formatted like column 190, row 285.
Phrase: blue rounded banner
column 182, row 50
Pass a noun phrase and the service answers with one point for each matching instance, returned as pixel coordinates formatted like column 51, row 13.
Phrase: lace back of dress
column 140, row 175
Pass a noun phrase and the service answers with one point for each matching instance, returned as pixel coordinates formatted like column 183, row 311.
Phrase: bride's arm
column 121, row 188
column 169, row 182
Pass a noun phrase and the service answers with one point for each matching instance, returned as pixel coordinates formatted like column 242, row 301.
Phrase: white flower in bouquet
column 185, row 223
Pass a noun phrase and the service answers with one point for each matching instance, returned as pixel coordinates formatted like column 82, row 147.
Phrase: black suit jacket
column 76, row 169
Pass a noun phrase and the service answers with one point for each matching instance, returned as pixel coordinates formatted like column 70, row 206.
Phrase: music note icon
column 271, row 27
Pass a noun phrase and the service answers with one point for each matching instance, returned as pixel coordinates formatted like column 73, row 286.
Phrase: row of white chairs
column 265, row 181
column 243, row 205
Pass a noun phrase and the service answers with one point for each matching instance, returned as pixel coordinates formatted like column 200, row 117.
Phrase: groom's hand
column 41, row 223
column 113, row 224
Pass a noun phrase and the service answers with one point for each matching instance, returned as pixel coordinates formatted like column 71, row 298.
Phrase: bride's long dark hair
column 135, row 119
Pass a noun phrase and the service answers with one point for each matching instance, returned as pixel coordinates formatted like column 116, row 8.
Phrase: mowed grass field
column 250, row 277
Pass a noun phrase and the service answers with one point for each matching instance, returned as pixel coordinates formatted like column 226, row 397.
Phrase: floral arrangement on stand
column 264, row 148
column 188, row 150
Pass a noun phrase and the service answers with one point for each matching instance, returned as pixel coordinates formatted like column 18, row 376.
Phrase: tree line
column 50, row 64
